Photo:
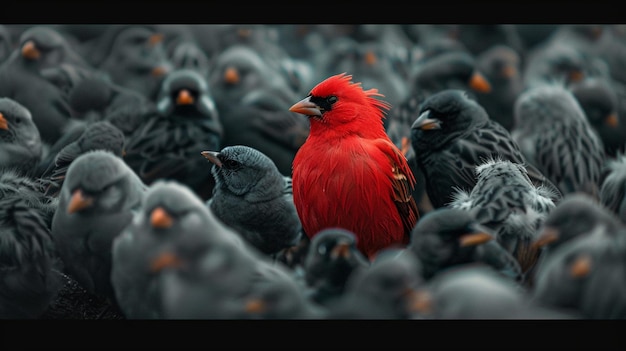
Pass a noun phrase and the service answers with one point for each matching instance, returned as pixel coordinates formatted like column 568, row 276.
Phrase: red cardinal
column 348, row 173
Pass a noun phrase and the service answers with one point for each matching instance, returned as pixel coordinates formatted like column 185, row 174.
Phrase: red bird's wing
column 403, row 182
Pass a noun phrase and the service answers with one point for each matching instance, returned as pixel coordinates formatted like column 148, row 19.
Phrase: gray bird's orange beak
column 341, row 250
column 3, row 122
column 612, row 120
column 424, row 122
column 231, row 75
column 473, row 239
column 479, row 83
column 159, row 218
column 212, row 156
column 306, row 107
column 165, row 260
column 581, row 266
column 255, row 306
column 79, row 201
column 547, row 236
column 30, row 51
column 184, row 98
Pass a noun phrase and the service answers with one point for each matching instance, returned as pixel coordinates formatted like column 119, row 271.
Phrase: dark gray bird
column 100, row 135
column 479, row 292
column 452, row 136
column 599, row 99
column 585, row 276
column 449, row 237
column 29, row 265
column 254, row 198
column 613, row 188
column 166, row 144
column 21, row 146
column 555, row 136
column 22, row 81
column 15, row 183
column 502, row 67
column 506, row 201
column 384, row 290
column 136, row 59
column 331, row 259
column 97, row 201
column 171, row 215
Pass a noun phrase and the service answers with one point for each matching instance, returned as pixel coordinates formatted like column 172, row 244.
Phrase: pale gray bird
column 21, row 147
column 97, row 201
column 254, row 198
column 171, row 215
column 555, row 136
column 505, row 200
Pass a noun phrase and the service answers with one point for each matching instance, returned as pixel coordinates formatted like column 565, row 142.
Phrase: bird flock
column 313, row 171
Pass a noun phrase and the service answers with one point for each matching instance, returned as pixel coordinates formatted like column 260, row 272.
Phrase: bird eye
column 18, row 120
column 332, row 99
column 321, row 250
column 231, row 164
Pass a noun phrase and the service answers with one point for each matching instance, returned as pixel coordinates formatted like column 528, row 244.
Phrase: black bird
column 505, row 200
column 97, row 136
column 555, row 136
column 97, row 201
column 331, row 259
column 29, row 265
column 21, row 146
column 15, row 183
column 450, row 237
column 254, row 198
column 452, row 136
column 167, row 143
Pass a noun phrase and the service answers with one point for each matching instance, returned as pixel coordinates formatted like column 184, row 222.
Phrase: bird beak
column 165, row 260
column 155, row 39
column 159, row 218
column 341, row 250
column 547, row 236
column 479, row 235
column 479, row 83
column 612, row 120
column 306, row 107
column 212, row 156
column 79, row 201
column 255, row 306
column 30, row 51
column 231, row 75
column 421, row 302
column 158, row 71
column 581, row 266
column 3, row 122
column 424, row 122
column 184, row 98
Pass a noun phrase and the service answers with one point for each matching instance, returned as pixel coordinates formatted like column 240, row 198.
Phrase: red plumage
column 348, row 173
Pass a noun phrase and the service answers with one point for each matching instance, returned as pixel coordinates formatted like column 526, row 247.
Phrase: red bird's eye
column 332, row 99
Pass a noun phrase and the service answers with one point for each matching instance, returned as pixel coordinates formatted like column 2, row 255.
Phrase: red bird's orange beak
column 30, row 51
column 306, row 107
column 212, row 156
column 159, row 218
column 79, row 201
column 3, row 122
column 184, row 98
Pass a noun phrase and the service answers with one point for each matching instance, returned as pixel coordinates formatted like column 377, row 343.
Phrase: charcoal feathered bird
column 613, row 187
column 505, row 200
column 254, row 198
column 555, row 136
column 452, row 136
column 30, row 268
column 449, row 237
column 166, row 143
column 97, row 201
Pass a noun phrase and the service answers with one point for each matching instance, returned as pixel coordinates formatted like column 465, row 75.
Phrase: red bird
column 348, row 173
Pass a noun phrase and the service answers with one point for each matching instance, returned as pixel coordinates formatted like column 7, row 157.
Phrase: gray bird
column 332, row 257
column 613, row 188
column 98, row 198
column 30, row 277
column 479, row 292
column 505, row 200
column 171, row 215
column 448, row 237
column 100, row 135
column 254, row 198
column 555, row 136
column 21, row 146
